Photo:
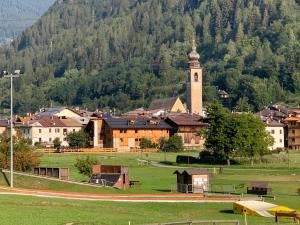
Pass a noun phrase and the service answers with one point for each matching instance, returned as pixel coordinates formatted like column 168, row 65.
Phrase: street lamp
column 17, row 73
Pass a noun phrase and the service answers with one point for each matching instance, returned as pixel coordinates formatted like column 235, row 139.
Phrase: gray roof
column 164, row 104
column 51, row 111
column 191, row 171
column 124, row 123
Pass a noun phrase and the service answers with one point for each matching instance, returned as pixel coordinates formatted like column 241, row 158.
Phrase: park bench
column 292, row 215
column 134, row 183
column 259, row 188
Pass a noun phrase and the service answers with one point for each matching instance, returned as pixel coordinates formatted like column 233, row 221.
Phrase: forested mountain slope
column 16, row 15
column 123, row 53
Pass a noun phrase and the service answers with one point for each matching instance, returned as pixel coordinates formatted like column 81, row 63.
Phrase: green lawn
column 36, row 211
column 28, row 210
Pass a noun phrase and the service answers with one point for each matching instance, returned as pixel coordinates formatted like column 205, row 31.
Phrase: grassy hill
column 123, row 53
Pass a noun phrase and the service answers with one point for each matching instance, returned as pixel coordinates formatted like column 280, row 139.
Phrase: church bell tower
column 194, row 84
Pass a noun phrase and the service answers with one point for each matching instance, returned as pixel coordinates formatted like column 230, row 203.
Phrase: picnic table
column 134, row 183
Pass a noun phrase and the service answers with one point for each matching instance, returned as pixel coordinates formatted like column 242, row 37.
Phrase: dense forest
column 123, row 53
column 16, row 15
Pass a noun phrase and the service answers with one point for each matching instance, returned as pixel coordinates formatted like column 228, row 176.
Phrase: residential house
column 277, row 131
column 95, row 131
column 293, row 124
column 187, row 126
column 45, row 129
column 82, row 117
column 124, row 134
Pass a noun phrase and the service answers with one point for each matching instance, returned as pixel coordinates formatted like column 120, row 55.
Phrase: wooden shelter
column 192, row 180
column 259, row 188
column 110, row 175
column 60, row 173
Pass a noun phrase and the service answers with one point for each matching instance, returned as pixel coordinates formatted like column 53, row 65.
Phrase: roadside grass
column 24, row 210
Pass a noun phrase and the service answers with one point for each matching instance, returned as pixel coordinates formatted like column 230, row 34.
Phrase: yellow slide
column 258, row 208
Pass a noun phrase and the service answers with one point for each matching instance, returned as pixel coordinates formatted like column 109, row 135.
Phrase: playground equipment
column 258, row 208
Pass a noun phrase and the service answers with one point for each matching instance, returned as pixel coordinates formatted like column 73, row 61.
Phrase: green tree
column 230, row 135
column 24, row 157
column 85, row 165
column 219, row 135
column 173, row 144
column 77, row 139
column 146, row 143
column 56, row 143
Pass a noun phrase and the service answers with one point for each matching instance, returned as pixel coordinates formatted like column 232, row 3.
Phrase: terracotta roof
column 51, row 121
column 191, row 171
column 70, row 122
column 140, row 123
column 166, row 103
column 186, row 120
column 290, row 119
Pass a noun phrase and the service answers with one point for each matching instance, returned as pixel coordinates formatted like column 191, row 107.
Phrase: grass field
column 30, row 210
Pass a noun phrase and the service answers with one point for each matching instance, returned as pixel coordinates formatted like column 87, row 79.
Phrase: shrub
column 146, row 143
column 56, row 143
column 174, row 144
column 85, row 165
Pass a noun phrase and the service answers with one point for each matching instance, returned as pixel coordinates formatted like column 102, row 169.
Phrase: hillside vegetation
column 16, row 15
column 123, row 53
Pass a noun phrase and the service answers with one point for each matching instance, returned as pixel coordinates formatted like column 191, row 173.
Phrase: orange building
column 124, row 134
column 293, row 132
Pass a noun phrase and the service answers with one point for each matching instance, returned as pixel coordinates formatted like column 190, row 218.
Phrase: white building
column 45, row 129
column 276, row 130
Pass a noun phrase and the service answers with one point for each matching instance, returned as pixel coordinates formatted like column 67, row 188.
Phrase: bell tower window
column 196, row 77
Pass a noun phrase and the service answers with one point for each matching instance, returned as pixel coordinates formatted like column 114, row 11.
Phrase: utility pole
column 11, row 76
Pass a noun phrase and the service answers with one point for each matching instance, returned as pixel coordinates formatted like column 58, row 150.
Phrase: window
column 40, row 139
column 73, row 130
column 136, row 131
column 196, row 77
column 123, row 131
column 280, row 140
column 280, row 132
column 65, row 131
column 293, row 131
column 293, row 139
column 272, row 131
column 57, row 130
column 50, row 139
column 49, row 130
column 121, row 140
column 40, row 131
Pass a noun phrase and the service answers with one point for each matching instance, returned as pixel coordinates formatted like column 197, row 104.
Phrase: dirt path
column 115, row 197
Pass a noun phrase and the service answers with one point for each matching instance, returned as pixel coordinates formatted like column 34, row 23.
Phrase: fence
column 190, row 188
column 144, row 150
column 212, row 222
column 78, row 150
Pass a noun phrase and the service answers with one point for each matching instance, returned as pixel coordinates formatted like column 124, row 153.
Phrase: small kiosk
column 192, row 180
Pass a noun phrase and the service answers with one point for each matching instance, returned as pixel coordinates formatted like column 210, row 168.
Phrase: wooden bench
column 134, row 183
column 292, row 215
